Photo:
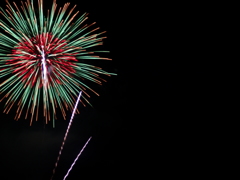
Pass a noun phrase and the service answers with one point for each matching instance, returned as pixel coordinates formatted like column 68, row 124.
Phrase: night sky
column 141, row 113
column 30, row 153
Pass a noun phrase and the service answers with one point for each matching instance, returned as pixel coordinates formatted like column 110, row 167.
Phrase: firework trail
column 65, row 136
column 77, row 158
column 40, row 58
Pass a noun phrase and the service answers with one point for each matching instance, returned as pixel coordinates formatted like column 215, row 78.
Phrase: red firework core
column 27, row 58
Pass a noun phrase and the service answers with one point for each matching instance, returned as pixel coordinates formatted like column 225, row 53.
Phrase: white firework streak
column 77, row 158
column 44, row 67
column 64, row 139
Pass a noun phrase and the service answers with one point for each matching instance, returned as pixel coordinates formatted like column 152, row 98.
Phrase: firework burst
column 39, row 59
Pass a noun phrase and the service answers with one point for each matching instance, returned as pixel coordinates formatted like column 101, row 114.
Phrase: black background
column 113, row 122
column 146, row 117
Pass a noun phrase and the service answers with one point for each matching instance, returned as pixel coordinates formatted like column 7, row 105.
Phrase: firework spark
column 66, row 134
column 79, row 154
column 39, row 58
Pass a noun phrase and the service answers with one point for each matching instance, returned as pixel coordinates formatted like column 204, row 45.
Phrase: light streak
column 44, row 68
column 77, row 158
column 65, row 137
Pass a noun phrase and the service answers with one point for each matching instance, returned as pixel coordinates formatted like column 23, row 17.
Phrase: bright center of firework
column 44, row 67
column 42, row 58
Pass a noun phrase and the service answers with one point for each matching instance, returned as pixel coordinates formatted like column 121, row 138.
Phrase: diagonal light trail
column 77, row 158
column 64, row 139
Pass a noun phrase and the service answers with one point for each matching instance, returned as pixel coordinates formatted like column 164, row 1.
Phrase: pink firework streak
column 65, row 137
column 77, row 158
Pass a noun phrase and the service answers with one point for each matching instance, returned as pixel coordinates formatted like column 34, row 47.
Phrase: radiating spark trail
column 64, row 139
column 77, row 158
column 44, row 75
column 44, row 68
